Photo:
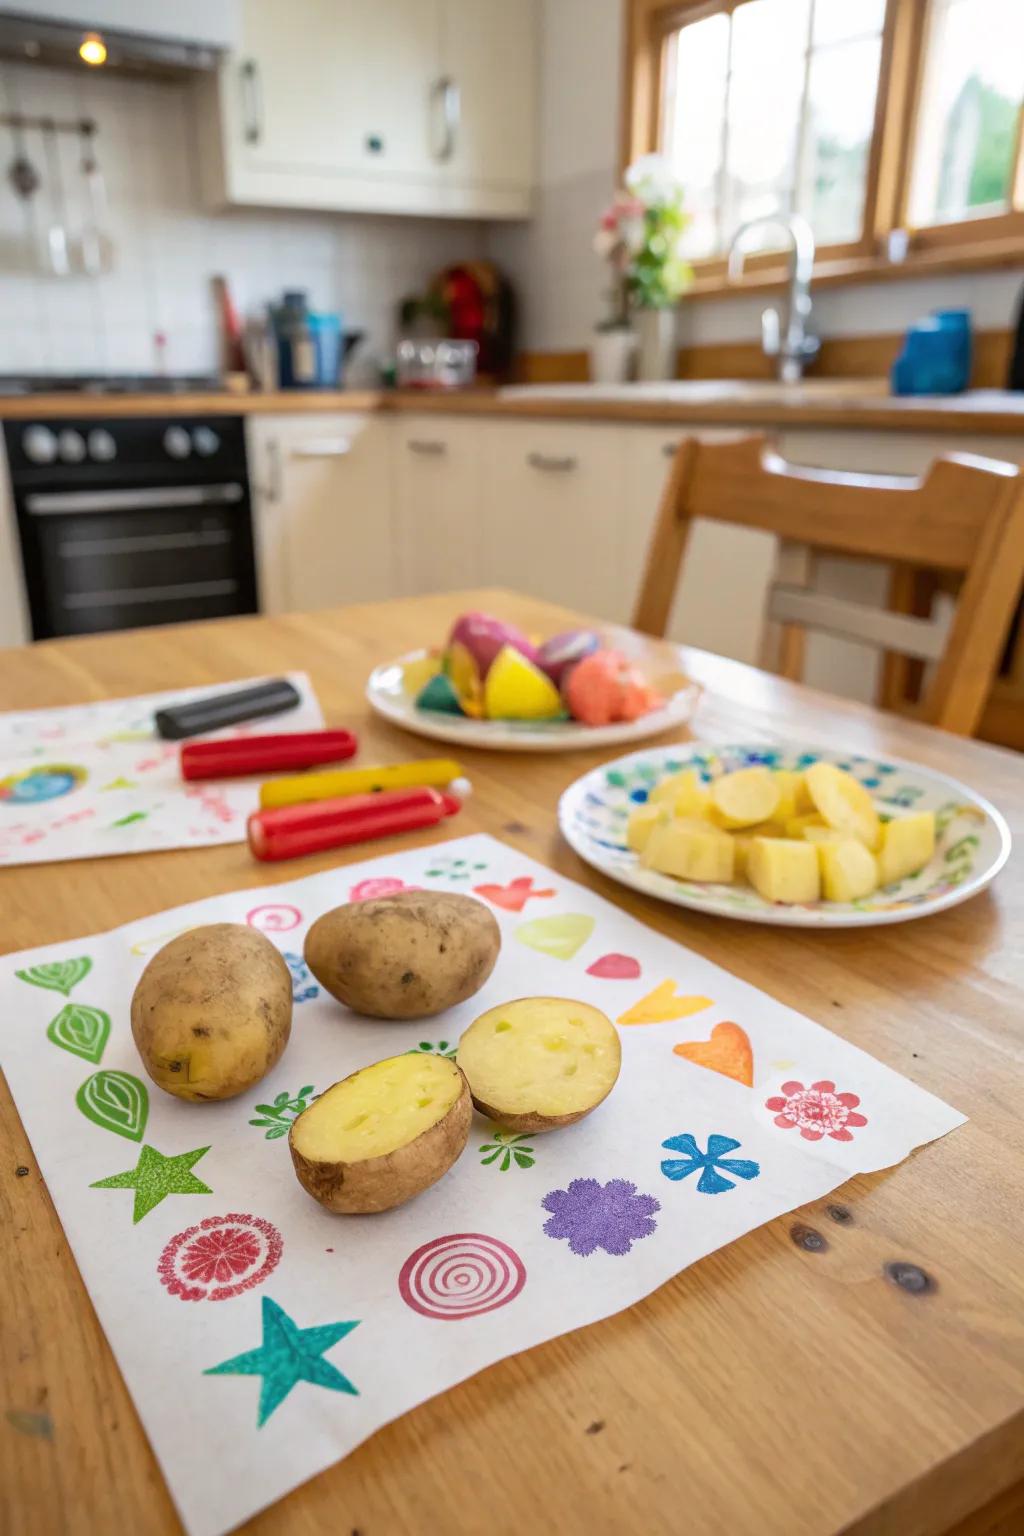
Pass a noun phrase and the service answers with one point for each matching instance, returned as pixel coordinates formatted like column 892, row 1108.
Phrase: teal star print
column 288, row 1355
column 155, row 1176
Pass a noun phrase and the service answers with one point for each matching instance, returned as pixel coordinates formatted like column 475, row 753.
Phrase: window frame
column 994, row 240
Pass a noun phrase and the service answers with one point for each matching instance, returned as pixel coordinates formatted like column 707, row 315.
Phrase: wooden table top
column 784, row 1386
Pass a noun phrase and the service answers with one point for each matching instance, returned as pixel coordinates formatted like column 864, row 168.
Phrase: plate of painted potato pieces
column 490, row 685
column 797, row 836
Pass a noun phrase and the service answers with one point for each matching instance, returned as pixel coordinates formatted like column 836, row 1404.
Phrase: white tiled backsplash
column 167, row 246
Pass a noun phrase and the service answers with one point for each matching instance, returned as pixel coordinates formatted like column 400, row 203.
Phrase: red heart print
column 512, row 897
column 615, row 968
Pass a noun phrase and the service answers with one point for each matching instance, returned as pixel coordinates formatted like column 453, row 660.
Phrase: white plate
column 973, row 842
column 385, row 694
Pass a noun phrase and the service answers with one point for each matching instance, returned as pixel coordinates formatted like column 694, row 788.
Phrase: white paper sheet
column 503, row 1253
column 94, row 779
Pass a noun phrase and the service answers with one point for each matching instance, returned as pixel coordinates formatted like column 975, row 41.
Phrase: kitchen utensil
column 56, row 233
column 433, row 772
column 264, row 754
column 426, row 364
column 226, row 709
column 972, row 847
column 21, row 173
column 94, row 244
column 292, row 830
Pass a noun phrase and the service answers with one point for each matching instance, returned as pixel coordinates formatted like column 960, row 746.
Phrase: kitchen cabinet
column 322, row 509
column 437, row 479
column 399, row 106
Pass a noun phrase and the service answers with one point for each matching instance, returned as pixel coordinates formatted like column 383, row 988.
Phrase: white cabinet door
column 552, row 513
column 437, row 475
column 322, row 496
column 489, row 61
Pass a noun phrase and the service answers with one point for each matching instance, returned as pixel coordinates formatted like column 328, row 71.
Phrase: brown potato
column 540, row 1062
column 382, row 1135
column 404, row 956
column 212, row 1012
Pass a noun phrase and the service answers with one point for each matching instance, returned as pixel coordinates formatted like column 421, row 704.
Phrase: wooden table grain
column 854, row 1367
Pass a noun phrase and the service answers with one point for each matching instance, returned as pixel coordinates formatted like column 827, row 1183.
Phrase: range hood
column 143, row 36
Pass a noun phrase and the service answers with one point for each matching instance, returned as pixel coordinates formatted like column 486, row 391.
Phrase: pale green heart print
column 81, row 1030
column 58, row 975
column 559, row 937
column 117, row 1101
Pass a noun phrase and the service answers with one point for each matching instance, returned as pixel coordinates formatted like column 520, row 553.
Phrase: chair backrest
column 965, row 516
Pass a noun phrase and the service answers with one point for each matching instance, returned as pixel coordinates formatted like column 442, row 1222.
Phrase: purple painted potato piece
column 563, row 651
column 483, row 637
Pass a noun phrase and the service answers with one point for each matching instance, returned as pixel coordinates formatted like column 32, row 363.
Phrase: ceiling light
column 92, row 49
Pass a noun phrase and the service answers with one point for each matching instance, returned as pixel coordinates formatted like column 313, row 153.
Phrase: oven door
column 120, row 559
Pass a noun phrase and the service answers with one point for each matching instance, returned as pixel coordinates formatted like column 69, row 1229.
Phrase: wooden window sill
column 866, row 269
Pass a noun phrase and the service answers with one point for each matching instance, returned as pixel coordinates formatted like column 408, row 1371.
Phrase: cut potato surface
column 690, row 849
column 540, row 1062
column 783, row 869
column 848, row 869
column 745, row 797
column 685, row 793
column 844, row 803
column 908, row 843
column 640, row 823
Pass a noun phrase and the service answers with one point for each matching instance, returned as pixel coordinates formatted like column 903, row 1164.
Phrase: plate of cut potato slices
column 792, row 835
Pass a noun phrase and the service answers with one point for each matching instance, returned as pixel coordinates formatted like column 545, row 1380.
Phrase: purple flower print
column 611, row 1216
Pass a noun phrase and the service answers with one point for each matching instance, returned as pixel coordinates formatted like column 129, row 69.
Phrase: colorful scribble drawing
column 512, row 897
column 44, row 781
column 507, row 1150
column 817, row 1111
column 663, row 1006
column 461, row 1276
column 285, row 1108
column 427, row 1047
column 57, row 975
column 559, row 937
column 713, row 1165
column 591, row 1215
column 728, row 1051
column 116, row 1101
column 220, row 1257
column 304, row 988
column 155, row 1176
column 288, row 1355
column 82, row 1030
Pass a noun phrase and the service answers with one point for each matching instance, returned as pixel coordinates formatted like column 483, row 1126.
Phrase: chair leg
column 784, row 646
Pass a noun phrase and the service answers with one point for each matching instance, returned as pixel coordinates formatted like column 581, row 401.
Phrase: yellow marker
column 434, row 772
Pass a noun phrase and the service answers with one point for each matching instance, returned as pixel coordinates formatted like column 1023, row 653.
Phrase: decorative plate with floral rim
column 972, row 847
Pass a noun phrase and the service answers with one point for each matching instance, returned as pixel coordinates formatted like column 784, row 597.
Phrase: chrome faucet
column 795, row 347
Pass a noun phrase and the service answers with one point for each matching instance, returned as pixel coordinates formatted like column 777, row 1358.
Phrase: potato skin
column 530, row 1121
column 381, row 1183
column 212, row 1012
column 404, row 956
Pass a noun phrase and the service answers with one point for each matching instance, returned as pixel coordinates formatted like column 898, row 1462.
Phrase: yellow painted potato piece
column 844, row 803
column 640, row 823
column 690, row 849
column 848, row 869
column 784, row 869
column 684, row 792
column 908, row 842
column 540, row 1062
column 745, row 797
column 382, row 1135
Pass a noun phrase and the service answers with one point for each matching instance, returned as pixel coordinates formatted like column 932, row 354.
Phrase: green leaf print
column 81, row 1030
column 58, row 975
column 117, row 1101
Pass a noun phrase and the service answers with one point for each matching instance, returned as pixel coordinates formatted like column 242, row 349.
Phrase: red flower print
column 818, row 1111
column 221, row 1255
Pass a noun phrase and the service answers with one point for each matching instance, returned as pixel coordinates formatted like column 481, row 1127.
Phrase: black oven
column 132, row 520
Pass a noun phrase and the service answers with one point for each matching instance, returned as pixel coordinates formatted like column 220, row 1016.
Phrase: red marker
column 264, row 754
column 290, row 831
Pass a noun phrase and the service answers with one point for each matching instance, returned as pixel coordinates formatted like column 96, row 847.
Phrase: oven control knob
column 71, row 446
column 205, row 441
column 102, row 447
column 39, row 445
column 177, row 443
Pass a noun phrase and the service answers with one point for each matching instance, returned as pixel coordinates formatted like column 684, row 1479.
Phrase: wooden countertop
column 783, row 1386
column 860, row 405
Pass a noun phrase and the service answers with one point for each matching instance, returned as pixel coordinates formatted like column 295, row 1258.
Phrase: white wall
column 560, row 280
column 168, row 247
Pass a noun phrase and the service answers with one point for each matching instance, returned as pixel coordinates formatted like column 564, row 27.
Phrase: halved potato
column 745, row 797
column 382, row 1135
column 844, row 803
column 540, row 1062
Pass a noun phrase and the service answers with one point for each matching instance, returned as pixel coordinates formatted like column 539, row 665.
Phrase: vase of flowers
column 640, row 236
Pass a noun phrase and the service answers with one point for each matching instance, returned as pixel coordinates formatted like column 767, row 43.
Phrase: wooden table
column 793, row 1384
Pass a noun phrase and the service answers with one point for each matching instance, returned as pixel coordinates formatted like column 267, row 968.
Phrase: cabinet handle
column 323, row 448
column 548, row 461
column 275, row 472
column 252, row 102
column 445, row 93
column 427, row 445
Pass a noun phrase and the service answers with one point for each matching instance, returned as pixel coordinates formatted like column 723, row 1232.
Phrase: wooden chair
column 965, row 516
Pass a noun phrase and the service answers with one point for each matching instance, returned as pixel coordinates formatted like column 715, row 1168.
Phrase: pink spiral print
column 461, row 1276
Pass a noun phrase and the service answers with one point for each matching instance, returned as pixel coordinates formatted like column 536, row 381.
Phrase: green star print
column 155, row 1176
column 288, row 1355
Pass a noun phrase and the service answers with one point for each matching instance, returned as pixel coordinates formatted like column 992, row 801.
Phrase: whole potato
column 212, row 1011
column 404, row 956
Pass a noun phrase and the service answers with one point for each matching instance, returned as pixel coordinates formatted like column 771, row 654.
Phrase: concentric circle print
column 460, row 1276
column 220, row 1257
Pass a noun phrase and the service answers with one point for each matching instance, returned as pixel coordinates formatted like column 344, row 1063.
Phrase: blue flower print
column 304, row 988
column 710, row 1181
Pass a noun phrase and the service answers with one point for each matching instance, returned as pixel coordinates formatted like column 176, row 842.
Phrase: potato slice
column 383, row 1135
column 784, row 869
column 540, row 1062
column 640, row 823
column 848, row 869
column 844, row 803
column 908, row 842
column 788, row 784
column 690, row 850
column 747, row 796
column 684, row 792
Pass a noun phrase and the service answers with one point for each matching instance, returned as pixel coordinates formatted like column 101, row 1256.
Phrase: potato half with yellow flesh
column 844, row 803
column 383, row 1135
column 540, row 1063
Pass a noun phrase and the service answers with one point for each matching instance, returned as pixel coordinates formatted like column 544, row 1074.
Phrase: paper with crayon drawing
column 247, row 1318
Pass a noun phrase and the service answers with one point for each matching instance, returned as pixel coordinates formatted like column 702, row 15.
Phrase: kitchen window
column 894, row 126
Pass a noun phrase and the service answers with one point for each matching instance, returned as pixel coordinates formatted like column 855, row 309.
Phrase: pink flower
column 220, row 1255
column 818, row 1111
column 383, row 885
